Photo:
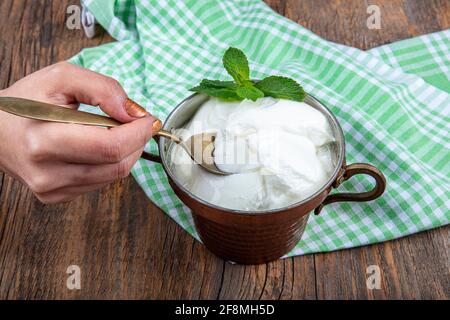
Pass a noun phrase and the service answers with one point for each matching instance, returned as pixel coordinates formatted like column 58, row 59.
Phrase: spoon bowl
column 201, row 149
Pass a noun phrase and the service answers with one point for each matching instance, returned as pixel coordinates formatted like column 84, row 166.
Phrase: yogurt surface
column 278, row 151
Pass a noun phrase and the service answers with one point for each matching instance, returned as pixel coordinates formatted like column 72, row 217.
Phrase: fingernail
column 156, row 126
column 134, row 110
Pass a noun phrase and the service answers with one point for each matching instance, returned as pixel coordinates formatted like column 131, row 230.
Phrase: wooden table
column 127, row 248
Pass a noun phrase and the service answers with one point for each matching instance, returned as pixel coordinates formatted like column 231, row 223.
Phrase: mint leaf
column 281, row 87
column 216, row 84
column 215, row 88
column 249, row 92
column 236, row 64
column 225, row 94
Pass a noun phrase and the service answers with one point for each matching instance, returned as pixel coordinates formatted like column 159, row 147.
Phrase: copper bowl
column 257, row 237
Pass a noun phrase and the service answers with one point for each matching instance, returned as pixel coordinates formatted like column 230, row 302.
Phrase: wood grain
column 129, row 249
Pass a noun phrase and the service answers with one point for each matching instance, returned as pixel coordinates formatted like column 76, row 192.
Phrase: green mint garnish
column 221, row 89
column 249, row 91
column 281, row 87
column 236, row 64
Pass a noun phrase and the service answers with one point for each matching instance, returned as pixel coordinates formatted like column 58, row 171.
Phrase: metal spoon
column 200, row 147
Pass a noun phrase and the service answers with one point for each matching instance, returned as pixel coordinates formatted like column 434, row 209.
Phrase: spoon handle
column 49, row 112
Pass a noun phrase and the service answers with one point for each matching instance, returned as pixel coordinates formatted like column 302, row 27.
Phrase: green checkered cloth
column 393, row 103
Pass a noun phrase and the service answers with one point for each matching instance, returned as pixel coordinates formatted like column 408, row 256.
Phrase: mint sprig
column 281, row 87
column 249, row 92
column 221, row 89
column 236, row 64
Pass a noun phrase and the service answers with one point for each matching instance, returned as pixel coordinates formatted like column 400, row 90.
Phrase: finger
column 81, row 175
column 90, row 145
column 75, row 186
column 89, row 87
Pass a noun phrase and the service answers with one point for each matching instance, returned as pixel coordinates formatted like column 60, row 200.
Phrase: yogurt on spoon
column 277, row 151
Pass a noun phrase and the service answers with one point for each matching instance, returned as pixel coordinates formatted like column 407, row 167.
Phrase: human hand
column 61, row 161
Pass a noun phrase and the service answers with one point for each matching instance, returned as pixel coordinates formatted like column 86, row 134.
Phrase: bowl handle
column 346, row 173
column 150, row 156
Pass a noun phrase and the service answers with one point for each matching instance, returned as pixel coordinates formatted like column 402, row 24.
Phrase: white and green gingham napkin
column 393, row 102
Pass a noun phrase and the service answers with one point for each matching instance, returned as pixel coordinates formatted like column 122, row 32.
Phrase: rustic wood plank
column 127, row 248
column 346, row 21
column 415, row 267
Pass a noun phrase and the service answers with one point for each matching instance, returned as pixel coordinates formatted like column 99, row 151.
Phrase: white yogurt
column 278, row 151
